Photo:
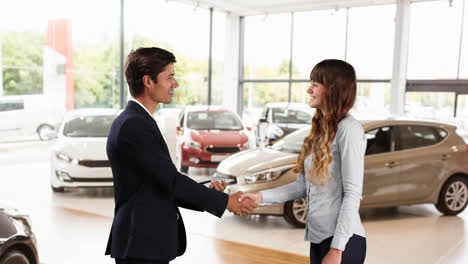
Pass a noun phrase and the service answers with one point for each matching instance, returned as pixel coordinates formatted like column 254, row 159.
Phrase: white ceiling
column 261, row 7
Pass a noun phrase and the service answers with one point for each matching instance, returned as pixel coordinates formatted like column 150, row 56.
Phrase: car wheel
column 453, row 196
column 14, row 257
column 43, row 131
column 57, row 189
column 295, row 212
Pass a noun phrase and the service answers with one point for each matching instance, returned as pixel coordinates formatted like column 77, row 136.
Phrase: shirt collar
column 136, row 101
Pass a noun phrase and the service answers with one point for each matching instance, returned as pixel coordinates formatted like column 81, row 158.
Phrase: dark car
column 17, row 241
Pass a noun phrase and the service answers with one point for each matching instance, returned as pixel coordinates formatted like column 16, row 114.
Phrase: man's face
column 162, row 91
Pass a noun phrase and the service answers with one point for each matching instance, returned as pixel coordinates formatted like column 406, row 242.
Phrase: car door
column 421, row 160
column 12, row 114
column 381, row 172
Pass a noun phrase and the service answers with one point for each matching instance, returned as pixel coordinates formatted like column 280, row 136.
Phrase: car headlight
column 63, row 157
column 192, row 143
column 267, row 175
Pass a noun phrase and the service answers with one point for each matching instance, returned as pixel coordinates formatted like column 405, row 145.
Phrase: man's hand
column 333, row 256
column 218, row 185
column 238, row 207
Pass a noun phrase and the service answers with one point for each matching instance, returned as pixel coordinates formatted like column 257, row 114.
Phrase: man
column 148, row 189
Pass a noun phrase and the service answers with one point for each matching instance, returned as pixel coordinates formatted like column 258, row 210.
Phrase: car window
column 221, row 120
column 292, row 142
column 11, row 105
column 379, row 140
column 290, row 116
column 416, row 136
column 89, row 126
column 303, row 117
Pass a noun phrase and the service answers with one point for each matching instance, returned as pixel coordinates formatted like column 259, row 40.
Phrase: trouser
column 140, row 261
column 354, row 253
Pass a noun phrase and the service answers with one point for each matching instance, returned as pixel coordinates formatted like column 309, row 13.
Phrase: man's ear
column 146, row 80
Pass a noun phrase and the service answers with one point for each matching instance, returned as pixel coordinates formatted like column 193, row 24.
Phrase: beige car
column 407, row 162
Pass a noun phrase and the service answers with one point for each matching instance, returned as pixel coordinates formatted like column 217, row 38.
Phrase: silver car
column 407, row 162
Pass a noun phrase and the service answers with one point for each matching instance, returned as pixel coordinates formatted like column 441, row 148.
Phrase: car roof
column 404, row 121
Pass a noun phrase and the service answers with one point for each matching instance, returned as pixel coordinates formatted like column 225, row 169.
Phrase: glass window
column 257, row 95
column 464, row 52
column 434, row 43
column 147, row 25
column 379, row 140
column 219, row 120
column 217, row 67
column 372, row 101
column 89, row 126
column 299, row 92
column 317, row 35
column 267, row 46
column 431, row 105
column 370, row 41
column 462, row 111
column 414, row 136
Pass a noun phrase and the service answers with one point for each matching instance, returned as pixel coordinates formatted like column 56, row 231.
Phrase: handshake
column 239, row 203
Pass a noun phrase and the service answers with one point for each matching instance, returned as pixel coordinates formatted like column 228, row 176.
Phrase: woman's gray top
column 333, row 209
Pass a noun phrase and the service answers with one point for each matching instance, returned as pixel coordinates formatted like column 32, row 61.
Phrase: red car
column 206, row 135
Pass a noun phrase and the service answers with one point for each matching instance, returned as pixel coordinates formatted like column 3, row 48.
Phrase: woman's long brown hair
column 339, row 79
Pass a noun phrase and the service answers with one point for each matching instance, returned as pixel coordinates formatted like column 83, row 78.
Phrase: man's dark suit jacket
column 148, row 190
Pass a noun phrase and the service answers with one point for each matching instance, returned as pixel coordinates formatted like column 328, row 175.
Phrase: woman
column 331, row 169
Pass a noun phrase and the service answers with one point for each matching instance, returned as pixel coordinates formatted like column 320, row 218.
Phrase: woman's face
column 317, row 94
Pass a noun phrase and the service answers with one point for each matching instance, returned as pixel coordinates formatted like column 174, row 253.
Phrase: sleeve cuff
column 339, row 242
column 267, row 198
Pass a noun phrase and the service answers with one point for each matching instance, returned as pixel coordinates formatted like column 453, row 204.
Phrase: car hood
column 83, row 148
column 255, row 160
column 219, row 137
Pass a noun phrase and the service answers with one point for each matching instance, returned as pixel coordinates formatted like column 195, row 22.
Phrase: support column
column 400, row 57
column 122, row 97
column 231, row 63
column 1, row 67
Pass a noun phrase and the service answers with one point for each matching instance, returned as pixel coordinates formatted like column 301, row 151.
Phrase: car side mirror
column 262, row 120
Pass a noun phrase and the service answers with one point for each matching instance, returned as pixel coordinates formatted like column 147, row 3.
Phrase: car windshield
column 219, row 120
column 292, row 142
column 291, row 116
column 89, row 126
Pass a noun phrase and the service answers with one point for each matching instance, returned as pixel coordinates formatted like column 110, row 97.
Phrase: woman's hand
column 333, row 256
column 256, row 197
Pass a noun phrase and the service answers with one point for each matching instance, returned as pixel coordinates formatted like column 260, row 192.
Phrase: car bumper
column 70, row 176
column 205, row 159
